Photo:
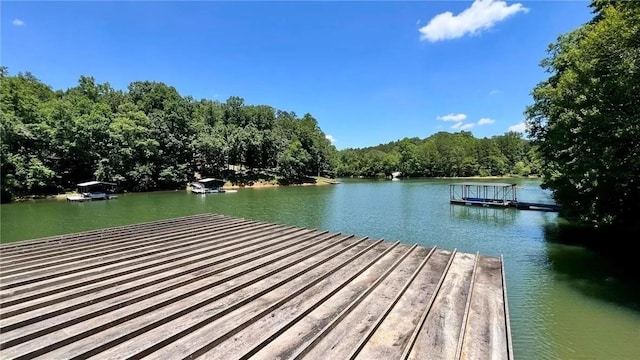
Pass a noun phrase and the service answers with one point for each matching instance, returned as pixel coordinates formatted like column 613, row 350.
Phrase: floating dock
column 93, row 190
column 217, row 287
column 501, row 195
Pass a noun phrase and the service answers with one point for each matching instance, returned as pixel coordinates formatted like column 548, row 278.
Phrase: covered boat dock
column 207, row 186
column 483, row 194
column 93, row 190
column 490, row 194
column 218, row 287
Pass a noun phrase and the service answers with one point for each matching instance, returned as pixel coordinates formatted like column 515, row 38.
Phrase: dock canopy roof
column 482, row 184
column 92, row 183
column 204, row 181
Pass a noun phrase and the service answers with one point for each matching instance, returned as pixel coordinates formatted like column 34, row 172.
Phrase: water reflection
column 597, row 270
column 566, row 302
column 594, row 298
column 483, row 214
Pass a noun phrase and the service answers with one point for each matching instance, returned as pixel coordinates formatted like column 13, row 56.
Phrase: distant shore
column 271, row 184
column 478, row 177
column 319, row 181
column 489, row 177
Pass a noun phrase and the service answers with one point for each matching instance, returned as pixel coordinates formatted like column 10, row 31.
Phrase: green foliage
column 586, row 117
column 291, row 162
column 27, row 160
column 442, row 155
column 147, row 138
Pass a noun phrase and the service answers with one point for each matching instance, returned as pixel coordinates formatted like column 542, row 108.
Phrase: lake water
column 565, row 302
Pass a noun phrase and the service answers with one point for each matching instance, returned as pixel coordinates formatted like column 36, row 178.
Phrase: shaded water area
column 566, row 302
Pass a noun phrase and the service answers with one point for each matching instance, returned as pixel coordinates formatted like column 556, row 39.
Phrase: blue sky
column 370, row 72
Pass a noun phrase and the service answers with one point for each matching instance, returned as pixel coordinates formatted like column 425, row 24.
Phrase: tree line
column 149, row 137
column 585, row 119
column 146, row 138
column 444, row 155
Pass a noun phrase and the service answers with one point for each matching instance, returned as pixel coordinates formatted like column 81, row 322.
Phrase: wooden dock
column 497, row 195
column 217, row 287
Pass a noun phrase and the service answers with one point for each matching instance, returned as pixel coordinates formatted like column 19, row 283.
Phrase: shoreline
column 227, row 186
column 266, row 185
column 319, row 181
column 478, row 177
column 488, row 177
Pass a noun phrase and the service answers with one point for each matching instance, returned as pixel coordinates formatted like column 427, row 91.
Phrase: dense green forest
column 149, row 137
column 443, row 155
column 585, row 119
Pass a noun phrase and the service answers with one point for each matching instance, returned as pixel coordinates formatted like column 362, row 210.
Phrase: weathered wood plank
column 277, row 306
column 213, row 286
column 392, row 336
column 27, row 247
column 321, row 303
column 440, row 333
column 68, row 277
column 224, row 299
column 37, row 273
column 97, row 283
column 346, row 329
column 96, row 247
column 91, row 306
column 169, row 272
column 486, row 339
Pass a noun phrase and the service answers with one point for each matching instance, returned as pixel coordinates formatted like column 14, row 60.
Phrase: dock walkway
column 217, row 287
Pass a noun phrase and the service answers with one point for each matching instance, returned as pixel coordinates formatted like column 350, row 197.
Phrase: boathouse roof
column 92, row 183
column 206, row 180
column 471, row 183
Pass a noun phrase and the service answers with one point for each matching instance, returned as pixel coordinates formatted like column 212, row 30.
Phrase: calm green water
column 565, row 302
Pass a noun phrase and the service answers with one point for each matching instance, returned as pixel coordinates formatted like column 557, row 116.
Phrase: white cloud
column 494, row 92
column 482, row 15
column 462, row 126
column 485, row 121
column 520, row 127
column 452, row 117
column 330, row 138
column 17, row 22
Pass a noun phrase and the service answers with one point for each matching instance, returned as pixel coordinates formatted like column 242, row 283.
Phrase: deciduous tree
column 585, row 118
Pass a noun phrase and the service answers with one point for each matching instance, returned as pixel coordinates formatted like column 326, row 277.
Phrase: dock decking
column 217, row 287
